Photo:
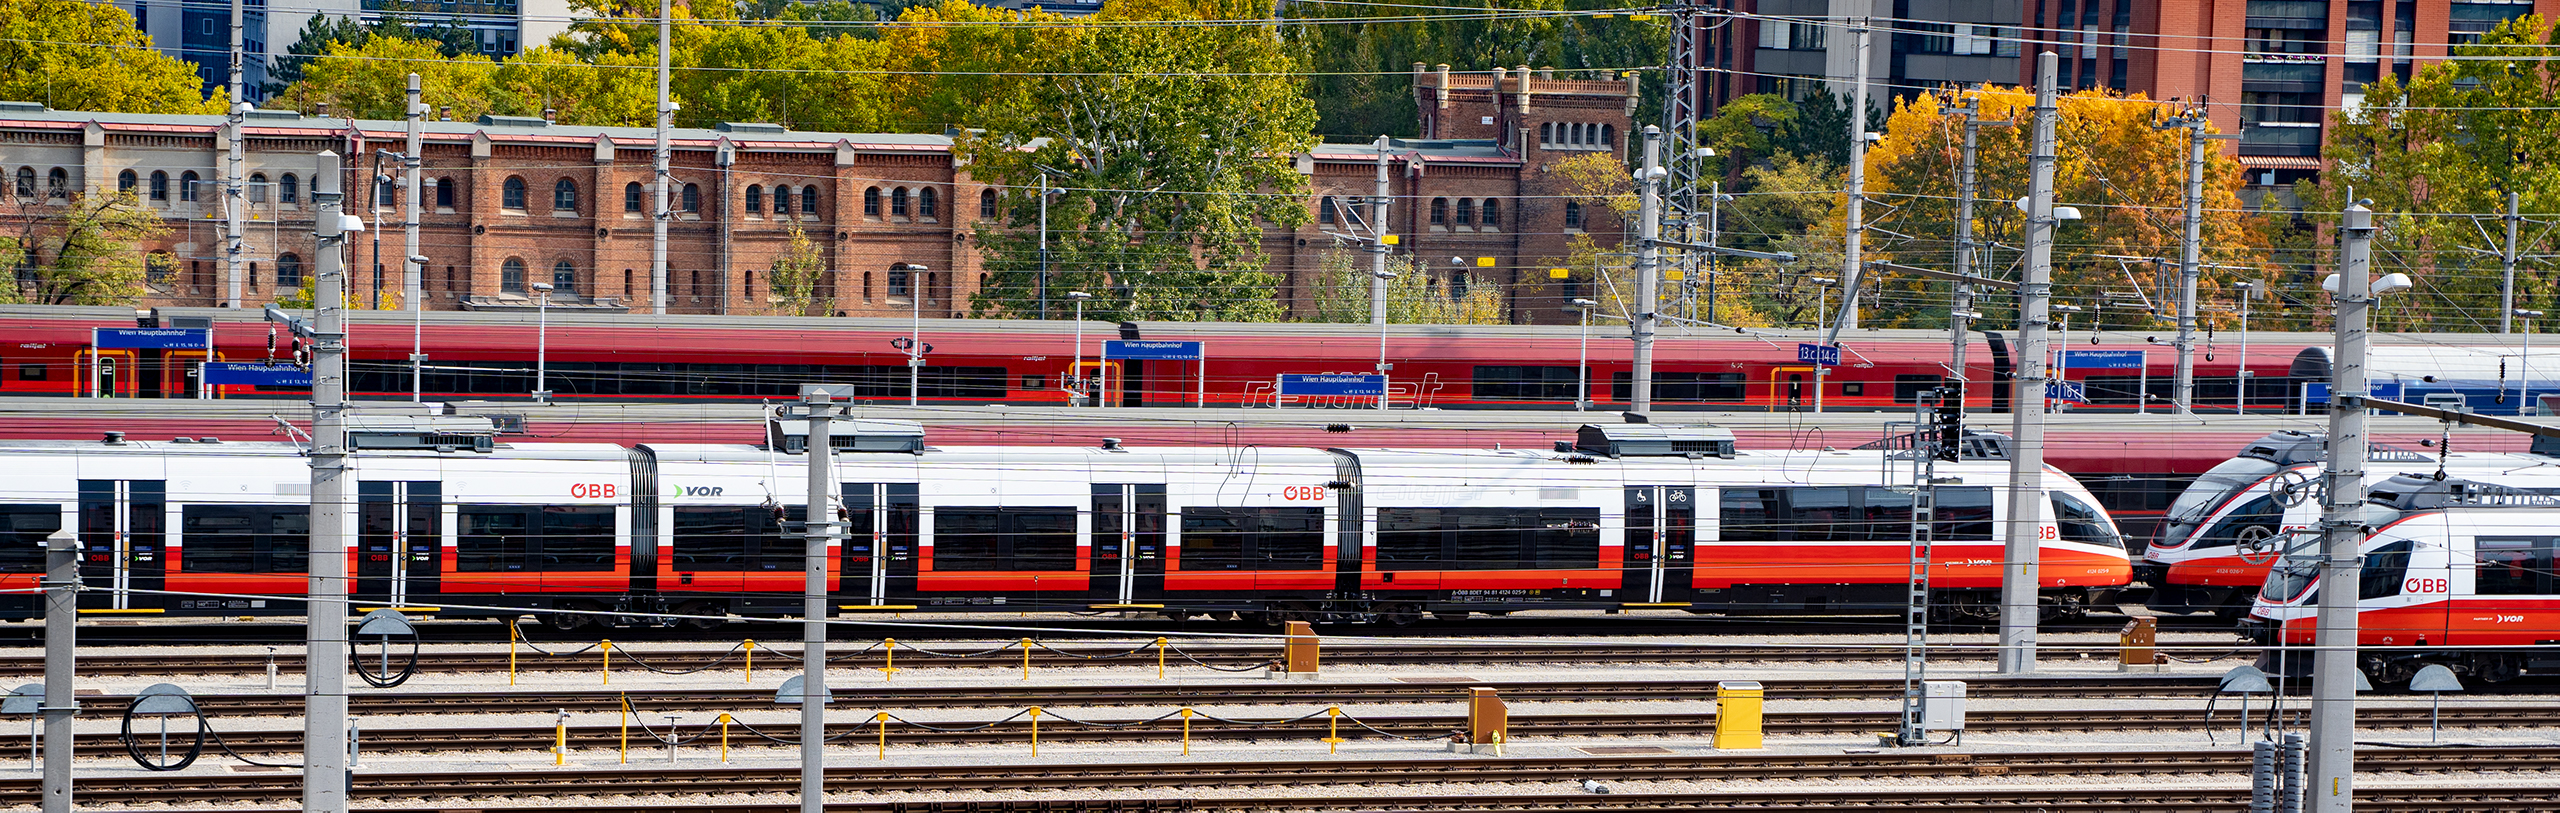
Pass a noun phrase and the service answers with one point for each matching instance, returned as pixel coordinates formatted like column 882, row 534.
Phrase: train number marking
column 2426, row 586
column 582, row 491
column 1303, row 493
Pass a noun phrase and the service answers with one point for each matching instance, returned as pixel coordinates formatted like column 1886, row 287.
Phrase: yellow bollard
column 889, row 664
column 626, row 730
column 560, row 743
column 1186, row 731
column 724, row 738
column 751, row 661
column 883, row 717
column 512, row 635
column 607, row 646
column 1035, row 731
column 1333, row 729
column 1159, row 659
column 1026, row 659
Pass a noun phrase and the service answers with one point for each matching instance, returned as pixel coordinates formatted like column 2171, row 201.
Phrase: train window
column 245, row 538
column 1824, row 515
column 1214, row 538
column 712, row 538
column 2254, row 519
column 2078, row 522
column 1289, row 539
column 1749, row 515
column 30, row 371
column 2513, row 566
column 1525, row 383
column 23, row 531
column 1853, row 388
column 992, row 539
column 1885, row 515
column 1964, row 513
column 1683, row 386
column 2383, row 570
column 1907, row 388
column 1489, row 538
column 558, row 538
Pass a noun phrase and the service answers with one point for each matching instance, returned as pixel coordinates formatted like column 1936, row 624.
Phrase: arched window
column 1572, row 215
column 127, row 180
column 925, row 205
column 444, row 193
column 1466, row 212
column 692, row 198
column 1609, row 136
column 1439, row 211
column 512, row 196
column 257, row 187
column 511, row 277
column 288, row 189
column 871, row 202
column 187, row 186
column 288, row 271
column 808, row 200
column 901, row 281
column 1492, row 213
column 987, row 203
column 564, row 196
column 386, row 193
column 898, row 202
column 26, row 182
column 1546, row 133
column 747, row 284
column 564, row 278
column 631, row 197
column 755, row 198
column 1325, row 212
column 57, row 184
column 160, row 185
column 782, row 199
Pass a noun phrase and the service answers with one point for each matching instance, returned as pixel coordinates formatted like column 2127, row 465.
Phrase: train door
column 1099, row 381
column 170, row 373
column 1128, row 544
column 105, row 373
column 1793, row 387
column 399, row 532
column 123, row 536
column 880, row 542
column 1659, row 544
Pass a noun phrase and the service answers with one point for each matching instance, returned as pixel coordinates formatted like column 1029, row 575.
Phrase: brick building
column 507, row 202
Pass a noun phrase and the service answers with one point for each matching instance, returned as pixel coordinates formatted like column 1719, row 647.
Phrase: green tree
column 1360, row 75
column 1341, row 293
column 74, row 55
column 87, row 253
column 1168, row 145
column 614, row 90
column 370, row 80
column 2436, row 155
column 799, row 276
column 319, row 34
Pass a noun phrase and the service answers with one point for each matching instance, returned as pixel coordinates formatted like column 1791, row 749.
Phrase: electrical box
column 1942, row 705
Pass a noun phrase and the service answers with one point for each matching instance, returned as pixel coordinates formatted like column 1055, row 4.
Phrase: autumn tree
column 1360, row 75
column 370, row 80
column 1167, row 145
column 2437, row 155
column 74, row 55
column 86, row 253
column 799, row 278
column 1341, row 293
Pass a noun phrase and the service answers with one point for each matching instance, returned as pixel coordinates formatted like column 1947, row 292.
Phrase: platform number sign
column 1822, row 354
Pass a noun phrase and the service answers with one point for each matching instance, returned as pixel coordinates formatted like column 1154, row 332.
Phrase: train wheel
column 1400, row 614
column 571, row 623
column 701, row 616
column 1222, row 615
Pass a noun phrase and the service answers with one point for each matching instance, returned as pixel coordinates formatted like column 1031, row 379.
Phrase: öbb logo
column 598, row 491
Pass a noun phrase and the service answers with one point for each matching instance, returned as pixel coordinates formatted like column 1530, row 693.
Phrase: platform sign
column 2066, row 391
column 1151, row 350
column 2317, row 392
column 1822, row 354
column 237, row 374
column 150, row 338
column 1355, row 385
column 2102, row 360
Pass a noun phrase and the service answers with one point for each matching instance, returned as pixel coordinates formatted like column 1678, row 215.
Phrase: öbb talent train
column 1632, row 516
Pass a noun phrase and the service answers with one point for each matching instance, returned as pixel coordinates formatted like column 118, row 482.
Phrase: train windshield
column 2209, row 490
column 2289, row 581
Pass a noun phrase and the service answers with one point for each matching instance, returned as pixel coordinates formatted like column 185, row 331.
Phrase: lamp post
column 1075, row 374
column 1383, row 366
column 1582, row 363
column 2524, row 363
column 2062, row 350
column 542, row 341
column 1821, row 306
column 915, row 328
column 2248, row 291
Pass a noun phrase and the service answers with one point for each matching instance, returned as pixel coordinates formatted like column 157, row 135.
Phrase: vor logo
column 697, row 491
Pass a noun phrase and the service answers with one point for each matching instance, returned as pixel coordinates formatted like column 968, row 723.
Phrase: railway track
column 1229, row 656
column 1412, row 690
column 858, row 727
column 231, row 790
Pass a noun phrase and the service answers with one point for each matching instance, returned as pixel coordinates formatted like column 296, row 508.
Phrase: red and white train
column 2454, row 572
column 1632, row 516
